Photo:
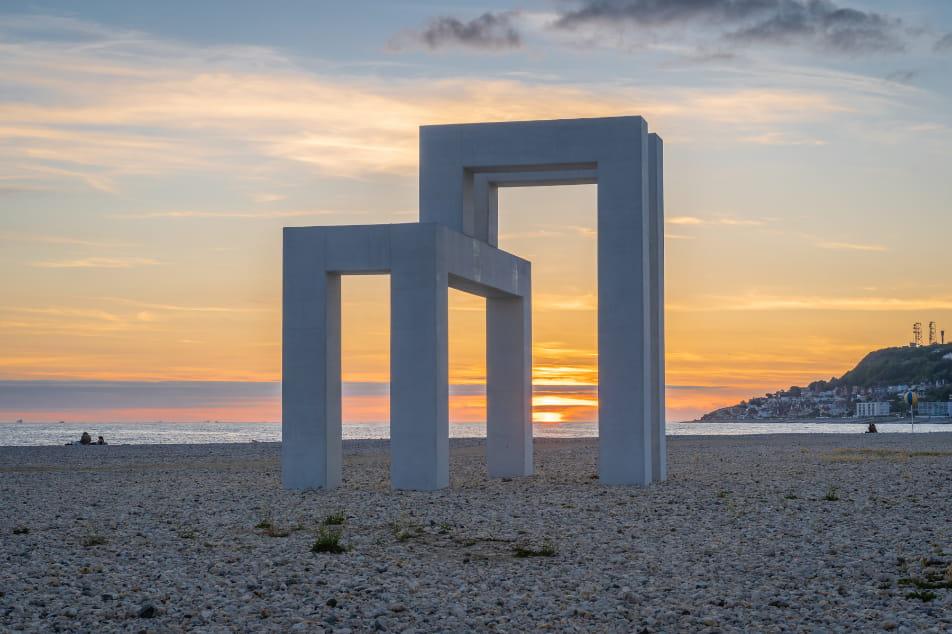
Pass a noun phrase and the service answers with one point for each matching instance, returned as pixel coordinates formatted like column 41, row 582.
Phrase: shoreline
column 762, row 532
column 37, row 434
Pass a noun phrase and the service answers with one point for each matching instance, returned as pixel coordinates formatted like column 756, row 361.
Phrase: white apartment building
column 873, row 409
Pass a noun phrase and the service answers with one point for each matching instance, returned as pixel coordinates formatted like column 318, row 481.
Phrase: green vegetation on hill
column 902, row 366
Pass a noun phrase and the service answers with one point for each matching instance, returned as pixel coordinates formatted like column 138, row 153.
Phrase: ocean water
column 33, row 434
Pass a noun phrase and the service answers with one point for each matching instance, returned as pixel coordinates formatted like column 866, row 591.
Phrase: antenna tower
column 932, row 339
column 917, row 334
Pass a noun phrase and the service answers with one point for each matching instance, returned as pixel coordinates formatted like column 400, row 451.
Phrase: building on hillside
column 935, row 408
column 873, row 409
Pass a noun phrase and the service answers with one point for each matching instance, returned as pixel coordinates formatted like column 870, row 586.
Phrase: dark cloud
column 810, row 22
column 944, row 44
column 902, row 76
column 29, row 396
column 490, row 31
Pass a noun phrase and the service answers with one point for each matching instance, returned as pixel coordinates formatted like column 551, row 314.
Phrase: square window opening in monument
column 555, row 227
column 365, row 356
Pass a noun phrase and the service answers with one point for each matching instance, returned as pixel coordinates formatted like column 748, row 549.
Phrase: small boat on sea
column 19, row 420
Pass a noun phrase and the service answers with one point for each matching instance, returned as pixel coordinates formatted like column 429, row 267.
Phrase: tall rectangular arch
column 461, row 168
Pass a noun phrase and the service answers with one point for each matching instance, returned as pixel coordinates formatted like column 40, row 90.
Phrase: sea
column 161, row 433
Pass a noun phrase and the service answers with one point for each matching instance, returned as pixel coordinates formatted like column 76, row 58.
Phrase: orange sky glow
column 146, row 173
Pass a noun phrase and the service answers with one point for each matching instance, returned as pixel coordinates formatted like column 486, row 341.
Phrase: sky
column 150, row 154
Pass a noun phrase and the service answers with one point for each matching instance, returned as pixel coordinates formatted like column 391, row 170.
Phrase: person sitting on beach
column 871, row 429
column 85, row 439
column 100, row 441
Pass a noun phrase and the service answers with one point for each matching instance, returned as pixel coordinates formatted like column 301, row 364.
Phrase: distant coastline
column 876, row 385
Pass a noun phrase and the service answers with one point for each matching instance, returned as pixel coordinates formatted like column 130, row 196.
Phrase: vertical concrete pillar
column 509, row 386
column 311, row 384
column 659, row 451
column 624, row 350
column 419, row 395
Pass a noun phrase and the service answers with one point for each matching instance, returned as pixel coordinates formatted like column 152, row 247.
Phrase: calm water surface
column 27, row 433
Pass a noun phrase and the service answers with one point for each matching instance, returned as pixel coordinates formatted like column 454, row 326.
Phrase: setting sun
column 547, row 417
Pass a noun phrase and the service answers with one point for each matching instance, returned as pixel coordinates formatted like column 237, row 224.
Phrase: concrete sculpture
column 461, row 169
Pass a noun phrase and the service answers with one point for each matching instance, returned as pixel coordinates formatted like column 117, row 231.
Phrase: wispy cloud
column 781, row 138
column 120, row 105
column 46, row 239
column 812, row 302
column 237, row 214
column 71, row 312
column 75, row 322
column 536, row 233
column 179, row 308
column 488, row 32
column 565, row 302
column 98, row 263
column 902, row 76
column 944, row 44
column 853, row 247
column 106, row 395
column 694, row 220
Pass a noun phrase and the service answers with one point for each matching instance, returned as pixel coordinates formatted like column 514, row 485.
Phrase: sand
column 755, row 533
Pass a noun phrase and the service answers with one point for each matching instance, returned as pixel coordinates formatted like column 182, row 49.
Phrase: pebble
column 173, row 537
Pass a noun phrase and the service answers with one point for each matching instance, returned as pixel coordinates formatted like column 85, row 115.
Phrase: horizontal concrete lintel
column 530, row 167
column 475, row 267
column 484, row 270
column 475, row 288
column 538, row 179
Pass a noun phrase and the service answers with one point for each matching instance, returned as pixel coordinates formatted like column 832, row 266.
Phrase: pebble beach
column 770, row 533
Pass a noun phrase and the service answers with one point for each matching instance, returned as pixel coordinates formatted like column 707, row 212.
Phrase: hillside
column 880, row 376
column 900, row 366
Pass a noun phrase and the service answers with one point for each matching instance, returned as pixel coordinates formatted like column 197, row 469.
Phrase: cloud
column 781, row 138
column 104, row 395
column 535, row 233
column 98, row 263
column 902, row 76
column 118, row 106
column 489, row 32
column 41, row 239
column 172, row 307
column 944, row 44
column 808, row 23
column 692, row 220
column 237, row 214
column 853, row 247
column 71, row 312
column 756, row 302
column 549, row 301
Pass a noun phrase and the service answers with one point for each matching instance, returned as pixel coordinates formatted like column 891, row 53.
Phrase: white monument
column 461, row 169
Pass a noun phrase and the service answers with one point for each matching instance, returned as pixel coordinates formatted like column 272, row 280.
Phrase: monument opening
column 467, row 363
column 365, row 358
column 555, row 228
column 365, row 354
